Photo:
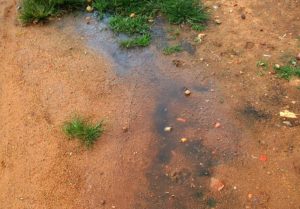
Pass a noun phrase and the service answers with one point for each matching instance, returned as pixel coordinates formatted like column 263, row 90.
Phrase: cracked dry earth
column 250, row 159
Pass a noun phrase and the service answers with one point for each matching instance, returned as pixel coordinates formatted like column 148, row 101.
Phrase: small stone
column 263, row 158
column 293, row 102
column 215, row 7
column 132, row 15
column 183, row 140
column 217, row 125
column 277, row 66
column 182, row 120
column 168, row 129
column 298, row 56
column 218, row 21
column 187, row 92
column 125, row 129
column 216, row 184
column 103, row 202
column 250, row 196
column 287, row 123
column 89, row 9
column 243, row 16
column 87, row 18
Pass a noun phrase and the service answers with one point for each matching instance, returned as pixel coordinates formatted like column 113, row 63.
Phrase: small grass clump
column 288, row 71
column 262, row 64
column 128, row 25
column 184, row 11
column 140, row 41
column 37, row 10
column 172, row 49
column 86, row 132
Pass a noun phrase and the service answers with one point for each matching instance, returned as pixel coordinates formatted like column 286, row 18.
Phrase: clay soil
column 48, row 73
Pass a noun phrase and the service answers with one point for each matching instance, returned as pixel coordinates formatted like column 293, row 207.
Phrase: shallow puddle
column 179, row 174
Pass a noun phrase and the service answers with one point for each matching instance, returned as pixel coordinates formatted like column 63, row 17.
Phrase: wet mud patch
column 179, row 173
column 251, row 112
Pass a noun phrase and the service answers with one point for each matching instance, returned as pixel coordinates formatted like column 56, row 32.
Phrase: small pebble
column 219, row 22
column 243, row 16
column 89, row 9
column 217, row 125
column 277, row 66
column 298, row 56
column 125, row 129
column 187, row 92
column 183, row 140
column 168, row 129
column 287, row 123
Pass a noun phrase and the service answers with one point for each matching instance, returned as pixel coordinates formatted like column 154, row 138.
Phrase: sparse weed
column 184, row 11
column 37, row 10
column 86, row 132
column 262, row 64
column 172, row 49
column 289, row 70
column 128, row 25
column 140, row 41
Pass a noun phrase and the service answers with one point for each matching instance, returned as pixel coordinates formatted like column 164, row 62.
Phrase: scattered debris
column 287, row 123
column 287, row 114
column 216, row 184
column 177, row 63
column 263, row 158
column 276, row 66
column 168, row 129
column 183, row 140
column 125, row 129
column 298, row 56
column 200, row 37
column 187, row 92
column 89, row 8
column 218, row 21
column 183, row 120
column 215, row 7
column 217, row 125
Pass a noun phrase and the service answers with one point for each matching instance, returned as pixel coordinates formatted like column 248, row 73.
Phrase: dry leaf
column 287, row 114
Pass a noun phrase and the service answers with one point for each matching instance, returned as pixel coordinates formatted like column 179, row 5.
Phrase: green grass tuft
column 129, row 25
column 37, row 10
column 86, row 132
column 292, row 68
column 262, row 64
column 184, row 11
column 172, row 49
column 140, row 41
column 288, row 71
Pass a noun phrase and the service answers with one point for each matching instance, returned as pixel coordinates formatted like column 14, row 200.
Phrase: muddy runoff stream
column 179, row 173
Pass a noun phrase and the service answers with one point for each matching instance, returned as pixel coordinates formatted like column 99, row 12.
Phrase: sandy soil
column 49, row 72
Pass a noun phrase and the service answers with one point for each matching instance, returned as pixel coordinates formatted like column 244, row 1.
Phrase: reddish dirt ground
column 48, row 73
